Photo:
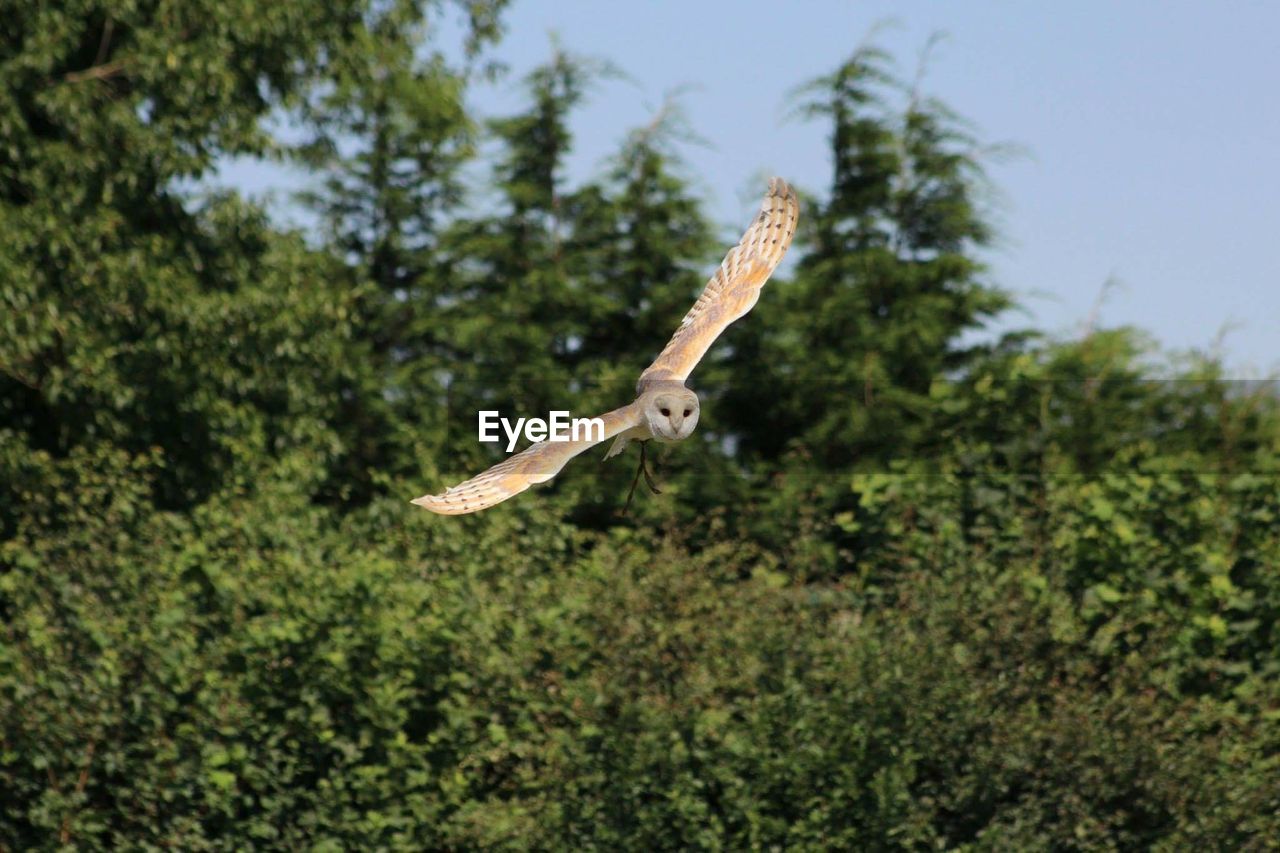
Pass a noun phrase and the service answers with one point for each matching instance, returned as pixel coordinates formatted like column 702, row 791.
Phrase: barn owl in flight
column 664, row 409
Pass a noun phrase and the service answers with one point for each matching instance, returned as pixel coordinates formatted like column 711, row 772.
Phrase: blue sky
column 1152, row 133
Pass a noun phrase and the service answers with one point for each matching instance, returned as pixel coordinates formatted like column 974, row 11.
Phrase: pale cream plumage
column 664, row 409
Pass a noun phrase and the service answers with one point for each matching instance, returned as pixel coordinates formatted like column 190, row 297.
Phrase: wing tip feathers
column 442, row 505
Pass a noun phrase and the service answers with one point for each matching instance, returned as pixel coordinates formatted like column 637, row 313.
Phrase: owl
column 664, row 409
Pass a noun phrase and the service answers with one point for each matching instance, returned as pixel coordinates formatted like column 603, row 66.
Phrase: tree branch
column 103, row 71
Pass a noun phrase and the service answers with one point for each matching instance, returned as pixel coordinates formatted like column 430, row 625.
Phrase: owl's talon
column 644, row 468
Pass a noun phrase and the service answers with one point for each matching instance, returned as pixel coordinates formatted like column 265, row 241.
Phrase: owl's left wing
column 733, row 289
column 535, row 464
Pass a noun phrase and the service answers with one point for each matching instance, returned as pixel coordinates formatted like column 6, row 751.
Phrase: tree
column 136, row 314
column 390, row 136
column 511, row 317
column 887, row 280
column 134, row 318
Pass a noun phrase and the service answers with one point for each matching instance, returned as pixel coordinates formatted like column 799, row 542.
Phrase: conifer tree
column 887, row 277
column 645, row 247
column 389, row 138
column 511, row 318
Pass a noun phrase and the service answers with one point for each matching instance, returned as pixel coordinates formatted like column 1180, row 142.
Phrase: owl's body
column 664, row 409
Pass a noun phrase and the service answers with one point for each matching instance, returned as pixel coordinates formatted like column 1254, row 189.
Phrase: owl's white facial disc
column 671, row 413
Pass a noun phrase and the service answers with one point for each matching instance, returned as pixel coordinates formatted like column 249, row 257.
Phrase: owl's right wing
column 733, row 289
column 535, row 464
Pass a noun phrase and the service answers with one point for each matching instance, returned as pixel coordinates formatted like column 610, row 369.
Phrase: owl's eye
column 687, row 411
column 666, row 413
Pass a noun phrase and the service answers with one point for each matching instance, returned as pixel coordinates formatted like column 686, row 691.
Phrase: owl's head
column 671, row 411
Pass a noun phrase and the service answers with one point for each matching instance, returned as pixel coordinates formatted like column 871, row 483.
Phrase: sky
column 1150, row 135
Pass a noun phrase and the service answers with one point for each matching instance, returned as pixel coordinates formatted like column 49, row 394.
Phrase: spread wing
column 734, row 288
column 536, row 464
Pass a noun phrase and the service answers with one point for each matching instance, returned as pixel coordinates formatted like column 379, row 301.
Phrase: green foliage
column 887, row 281
column 1020, row 596
column 133, row 318
column 390, row 135
column 507, row 316
column 283, row 684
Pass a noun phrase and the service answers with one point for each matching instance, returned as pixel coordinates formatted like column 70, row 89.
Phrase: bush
column 254, row 672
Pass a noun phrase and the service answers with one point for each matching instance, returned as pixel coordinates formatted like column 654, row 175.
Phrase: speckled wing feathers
column 536, row 464
column 733, row 289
